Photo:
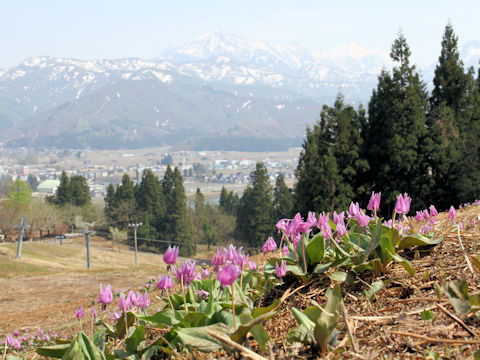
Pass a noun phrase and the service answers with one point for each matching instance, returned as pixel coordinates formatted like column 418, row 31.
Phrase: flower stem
column 233, row 310
column 183, row 293
column 303, row 251
column 126, row 323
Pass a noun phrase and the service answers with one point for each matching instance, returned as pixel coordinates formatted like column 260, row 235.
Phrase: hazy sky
column 91, row 29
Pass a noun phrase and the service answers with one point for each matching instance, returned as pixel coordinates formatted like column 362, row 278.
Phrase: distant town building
column 48, row 186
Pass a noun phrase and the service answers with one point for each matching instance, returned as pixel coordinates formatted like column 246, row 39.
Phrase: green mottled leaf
column 83, row 348
column 166, row 317
column 316, row 249
column 417, row 239
column 135, row 339
column 54, row 351
column 427, row 315
column 327, row 321
column 374, row 289
column 198, row 338
column 338, row 276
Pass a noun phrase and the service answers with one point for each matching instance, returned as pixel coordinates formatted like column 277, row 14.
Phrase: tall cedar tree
column 151, row 205
column 71, row 191
column 396, row 131
column 255, row 212
column 177, row 226
column 282, row 200
column 330, row 161
column 124, row 211
column 229, row 201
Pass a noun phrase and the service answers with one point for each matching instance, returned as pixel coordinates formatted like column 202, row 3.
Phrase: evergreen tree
column 33, row 182
column 453, row 136
column 177, row 227
column 229, row 201
column 124, row 211
column 109, row 200
column 150, row 204
column 79, row 190
column 63, row 194
column 330, row 162
column 255, row 212
column 396, row 131
column 282, row 200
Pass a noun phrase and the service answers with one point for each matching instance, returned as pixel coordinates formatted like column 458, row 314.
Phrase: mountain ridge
column 218, row 85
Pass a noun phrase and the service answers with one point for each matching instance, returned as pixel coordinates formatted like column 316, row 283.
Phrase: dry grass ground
column 43, row 288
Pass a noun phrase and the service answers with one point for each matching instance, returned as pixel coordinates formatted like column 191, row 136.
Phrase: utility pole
column 21, row 231
column 135, row 226
column 87, row 243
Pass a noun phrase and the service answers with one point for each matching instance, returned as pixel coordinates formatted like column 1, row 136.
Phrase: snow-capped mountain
column 217, row 85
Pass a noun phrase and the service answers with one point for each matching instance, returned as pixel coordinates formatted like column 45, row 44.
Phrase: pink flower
column 122, row 303
column 105, row 297
column 231, row 253
column 282, row 224
column 341, row 228
column 93, row 313
column 281, row 270
column 252, row 265
column 338, row 217
column 324, row 225
column 218, row 260
column 186, row 272
column 374, row 202
column 79, row 313
column 433, row 211
column 426, row 214
column 203, row 294
column 270, row 245
column 292, row 228
column 452, row 214
column 171, row 255
column 205, row 273
column 143, row 302
column 165, row 282
column 403, row 204
column 228, row 274
column 362, row 219
column 419, row 216
column 353, row 209
column 131, row 299
column 285, row 250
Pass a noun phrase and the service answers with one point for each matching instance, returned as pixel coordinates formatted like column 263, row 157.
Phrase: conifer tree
column 109, row 203
column 282, row 200
column 79, row 191
column 330, row 162
column 63, row 194
column 228, row 201
column 396, row 131
column 453, row 140
column 255, row 213
column 150, row 204
column 177, row 227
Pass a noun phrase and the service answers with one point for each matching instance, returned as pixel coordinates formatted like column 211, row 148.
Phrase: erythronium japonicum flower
column 281, row 270
column 218, row 260
column 79, row 313
column 285, row 250
column 227, row 277
column 269, row 245
column 452, row 214
column 374, row 203
column 170, row 256
column 105, row 297
column 402, row 205
column 433, row 211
